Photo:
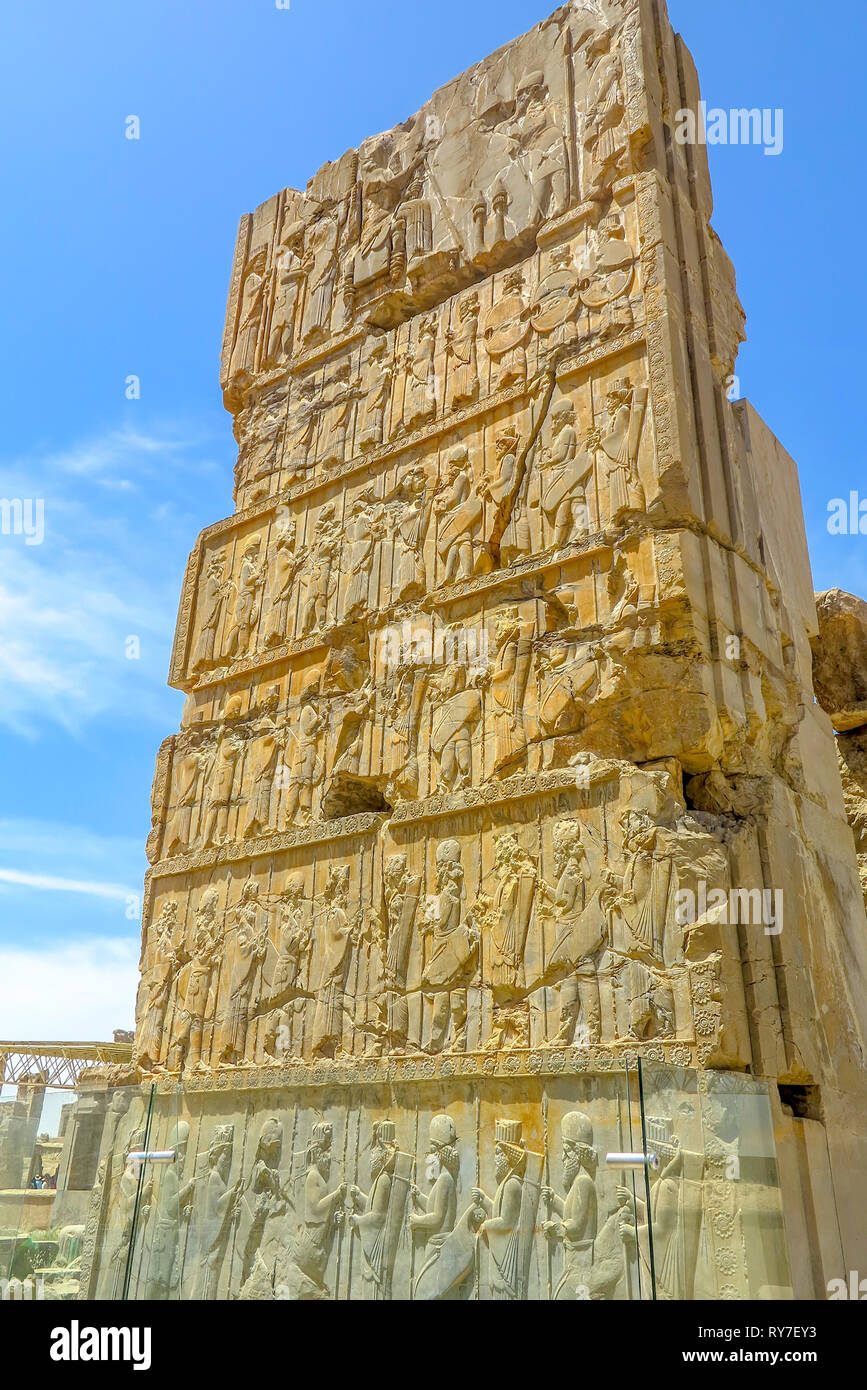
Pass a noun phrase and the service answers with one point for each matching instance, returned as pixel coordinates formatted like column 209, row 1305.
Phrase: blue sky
column 116, row 257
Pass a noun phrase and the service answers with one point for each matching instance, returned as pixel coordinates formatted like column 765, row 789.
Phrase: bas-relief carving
column 446, row 576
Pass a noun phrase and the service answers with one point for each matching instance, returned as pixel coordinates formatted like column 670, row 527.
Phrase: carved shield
column 556, row 301
column 505, row 325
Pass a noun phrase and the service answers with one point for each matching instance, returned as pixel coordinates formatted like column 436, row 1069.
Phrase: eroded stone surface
column 500, row 736
column 840, row 658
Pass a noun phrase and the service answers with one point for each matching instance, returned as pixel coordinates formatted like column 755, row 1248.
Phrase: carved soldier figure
column 461, row 512
column 461, row 352
column 512, row 908
column 541, row 144
column 321, row 1217
column 189, row 1022
column 605, row 288
column 269, row 744
column 304, row 769
column 250, row 582
column 573, row 1218
column 454, row 955
column 565, row 473
column 189, row 770
column 454, row 717
column 337, row 416
column 262, row 1204
column 250, row 948
column 321, row 262
column 449, row 1245
column 674, row 1217
column 213, row 1214
column 319, row 583
column 221, row 789
column 300, row 428
column 420, row 383
column 404, row 711
column 504, row 332
column 509, row 679
column 581, row 926
column 173, row 1200
column 378, row 1216
column 159, row 979
column 259, row 432
column 284, row 563
column 376, row 378
column 409, row 532
column 214, row 592
column 510, row 1216
column 289, row 277
column 362, row 531
column 605, row 139
column 243, row 360
column 401, row 892
column 336, row 956
column 626, row 406
column 568, row 673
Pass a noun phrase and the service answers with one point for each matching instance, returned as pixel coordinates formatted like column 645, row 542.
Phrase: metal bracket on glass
column 648, row 1160
column 151, row 1156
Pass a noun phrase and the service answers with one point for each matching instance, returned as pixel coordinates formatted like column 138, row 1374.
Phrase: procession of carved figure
column 289, row 277
column 510, row 1215
column 508, row 686
column 320, row 1219
column 403, row 716
column 449, row 1243
column 267, row 747
column 376, row 381
column 420, row 381
column 320, row 581
column 321, row 263
column 573, row 1218
column 337, row 415
column 196, row 1006
column 158, row 982
column 401, row 892
column 262, row 1204
column 248, row 948
column 568, row 676
column 503, row 950
column 462, row 355
column 504, row 332
column 251, row 579
column 173, row 1196
column 540, row 149
column 215, row 1210
column 259, row 429
column 243, row 359
column 578, row 908
column 378, row 1215
column 190, row 769
column 566, row 468
column 336, row 934
column 411, row 501
column 605, row 138
column 220, row 796
column 303, row 769
column 674, row 1216
column 284, row 563
column 626, row 405
column 606, row 285
column 456, row 712
column 301, row 419
column 454, row 948
column 460, row 513
column 214, row 592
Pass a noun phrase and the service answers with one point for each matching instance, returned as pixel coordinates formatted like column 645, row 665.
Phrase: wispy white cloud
column 64, row 885
column 85, row 989
column 121, row 513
